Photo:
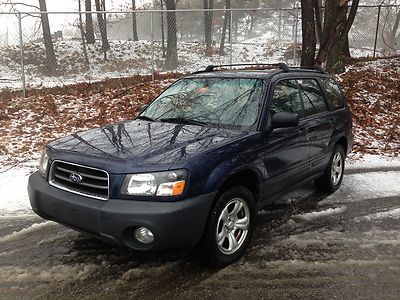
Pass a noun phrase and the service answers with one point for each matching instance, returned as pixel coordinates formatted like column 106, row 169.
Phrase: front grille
column 90, row 182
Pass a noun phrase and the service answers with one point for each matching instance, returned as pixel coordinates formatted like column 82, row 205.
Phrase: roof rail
column 316, row 68
column 280, row 65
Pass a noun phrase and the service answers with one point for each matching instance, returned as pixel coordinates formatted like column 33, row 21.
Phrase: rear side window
column 333, row 92
column 313, row 97
column 286, row 98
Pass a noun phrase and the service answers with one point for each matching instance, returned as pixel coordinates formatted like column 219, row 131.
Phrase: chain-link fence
column 95, row 46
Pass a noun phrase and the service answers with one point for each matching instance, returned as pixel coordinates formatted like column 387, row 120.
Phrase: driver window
column 286, row 98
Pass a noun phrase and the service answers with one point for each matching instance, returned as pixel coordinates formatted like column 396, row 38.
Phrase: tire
column 230, row 226
column 333, row 175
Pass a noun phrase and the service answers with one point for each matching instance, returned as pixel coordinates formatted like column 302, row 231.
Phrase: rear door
column 319, row 122
column 285, row 151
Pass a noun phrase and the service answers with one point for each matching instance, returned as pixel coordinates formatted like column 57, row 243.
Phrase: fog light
column 144, row 235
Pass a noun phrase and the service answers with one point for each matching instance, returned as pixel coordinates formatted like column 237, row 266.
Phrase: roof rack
column 280, row 65
column 316, row 68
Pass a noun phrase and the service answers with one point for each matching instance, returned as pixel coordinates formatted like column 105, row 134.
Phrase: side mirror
column 284, row 119
column 142, row 109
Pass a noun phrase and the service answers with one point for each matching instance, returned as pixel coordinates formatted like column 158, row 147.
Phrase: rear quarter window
column 333, row 92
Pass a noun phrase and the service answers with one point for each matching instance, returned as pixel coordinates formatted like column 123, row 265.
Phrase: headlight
column 169, row 183
column 43, row 162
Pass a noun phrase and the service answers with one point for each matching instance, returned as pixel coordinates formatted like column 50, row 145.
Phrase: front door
column 285, row 150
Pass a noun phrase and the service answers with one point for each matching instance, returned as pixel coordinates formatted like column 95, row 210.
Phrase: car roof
column 260, row 73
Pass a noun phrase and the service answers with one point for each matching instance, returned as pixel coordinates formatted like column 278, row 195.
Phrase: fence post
column 296, row 27
column 230, row 39
column 152, row 46
column 21, row 46
column 377, row 28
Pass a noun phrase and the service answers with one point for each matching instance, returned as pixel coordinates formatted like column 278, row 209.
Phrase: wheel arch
column 246, row 177
column 344, row 143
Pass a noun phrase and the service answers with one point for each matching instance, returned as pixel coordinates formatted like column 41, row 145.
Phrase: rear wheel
column 230, row 226
column 333, row 175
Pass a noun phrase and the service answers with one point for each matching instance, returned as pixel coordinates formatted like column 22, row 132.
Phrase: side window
column 333, row 92
column 286, row 98
column 313, row 97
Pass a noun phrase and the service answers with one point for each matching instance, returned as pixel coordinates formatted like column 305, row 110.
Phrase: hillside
column 372, row 89
column 125, row 58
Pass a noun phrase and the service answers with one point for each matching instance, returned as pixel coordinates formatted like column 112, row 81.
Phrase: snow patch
column 312, row 216
column 16, row 235
column 13, row 190
column 390, row 214
column 358, row 187
column 56, row 273
column 369, row 161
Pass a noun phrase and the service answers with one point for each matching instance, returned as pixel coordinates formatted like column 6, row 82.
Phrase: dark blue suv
column 199, row 161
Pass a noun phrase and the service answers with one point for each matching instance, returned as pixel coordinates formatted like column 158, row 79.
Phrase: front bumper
column 174, row 224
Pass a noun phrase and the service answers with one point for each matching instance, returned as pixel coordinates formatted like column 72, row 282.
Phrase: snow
column 13, row 190
column 391, row 214
column 370, row 161
column 55, row 273
column 361, row 186
column 127, row 58
column 26, row 231
column 313, row 216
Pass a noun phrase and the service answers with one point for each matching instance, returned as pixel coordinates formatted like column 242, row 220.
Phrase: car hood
column 143, row 142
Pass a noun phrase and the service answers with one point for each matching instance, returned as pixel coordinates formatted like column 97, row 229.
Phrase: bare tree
column 171, row 61
column 82, row 34
column 101, row 19
column 162, row 28
column 134, row 26
column 227, row 22
column 390, row 36
column 51, row 61
column 308, row 32
column 337, row 24
column 89, row 23
column 208, row 28
column 332, row 32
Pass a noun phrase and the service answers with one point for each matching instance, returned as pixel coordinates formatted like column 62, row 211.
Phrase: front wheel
column 333, row 175
column 230, row 226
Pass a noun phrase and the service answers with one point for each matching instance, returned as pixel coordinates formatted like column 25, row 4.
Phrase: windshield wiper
column 145, row 118
column 180, row 120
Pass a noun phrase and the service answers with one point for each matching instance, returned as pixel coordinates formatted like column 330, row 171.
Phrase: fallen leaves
column 373, row 93
column 28, row 124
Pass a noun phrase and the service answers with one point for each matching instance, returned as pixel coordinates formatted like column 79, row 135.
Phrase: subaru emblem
column 75, row 177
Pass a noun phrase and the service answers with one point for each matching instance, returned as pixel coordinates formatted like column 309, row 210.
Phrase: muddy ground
column 344, row 246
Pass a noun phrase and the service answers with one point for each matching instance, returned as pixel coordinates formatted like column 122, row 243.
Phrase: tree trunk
column 252, row 22
column 335, row 59
column 308, row 30
column 227, row 22
column 103, row 29
column 51, row 61
column 162, row 29
column 85, row 56
column 346, row 47
column 318, row 19
column 171, row 61
column 134, row 26
column 89, row 23
column 208, row 17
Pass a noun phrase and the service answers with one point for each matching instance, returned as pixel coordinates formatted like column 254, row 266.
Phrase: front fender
column 229, row 168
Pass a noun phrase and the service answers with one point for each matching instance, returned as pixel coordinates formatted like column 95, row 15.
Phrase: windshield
column 222, row 102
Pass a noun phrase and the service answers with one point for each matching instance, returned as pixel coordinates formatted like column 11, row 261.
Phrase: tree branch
column 14, row 4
